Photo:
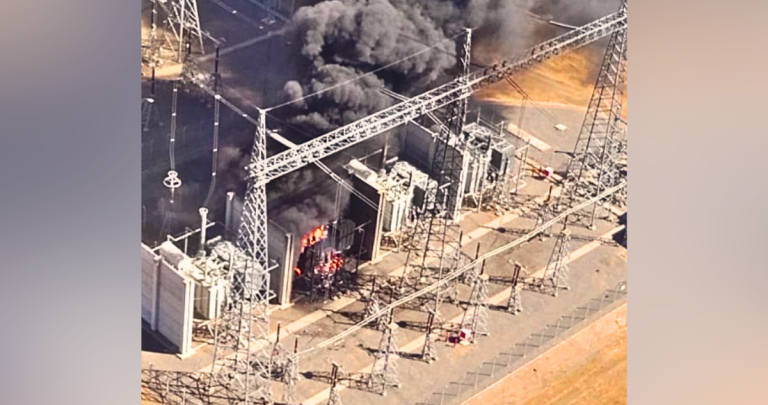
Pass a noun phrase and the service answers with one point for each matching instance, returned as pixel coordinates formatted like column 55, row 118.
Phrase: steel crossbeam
column 455, row 90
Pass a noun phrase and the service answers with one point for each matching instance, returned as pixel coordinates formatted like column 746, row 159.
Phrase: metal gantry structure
column 437, row 234
column 601, row 145
column 555, row 275
column 384, row 371
column 244, row 326
column 264, row 171
column 477, row 316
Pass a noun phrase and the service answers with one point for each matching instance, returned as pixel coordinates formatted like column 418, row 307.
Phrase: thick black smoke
column 302, row 200
column 341, row 39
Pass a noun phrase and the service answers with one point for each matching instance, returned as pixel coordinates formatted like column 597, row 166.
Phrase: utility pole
column 216, row 114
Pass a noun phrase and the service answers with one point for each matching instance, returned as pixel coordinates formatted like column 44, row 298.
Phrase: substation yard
column 597, row 264
column 584, row 363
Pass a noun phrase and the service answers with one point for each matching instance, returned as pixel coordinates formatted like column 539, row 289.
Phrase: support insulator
column 172, row 181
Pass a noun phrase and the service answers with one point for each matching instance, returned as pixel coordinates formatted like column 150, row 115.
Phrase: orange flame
column 297, row 270
column 312, row 238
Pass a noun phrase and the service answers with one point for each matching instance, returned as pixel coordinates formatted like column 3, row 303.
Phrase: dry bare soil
column 567, row 80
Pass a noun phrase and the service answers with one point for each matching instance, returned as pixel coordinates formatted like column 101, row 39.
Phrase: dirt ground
column 567, row 80
column 588, row 368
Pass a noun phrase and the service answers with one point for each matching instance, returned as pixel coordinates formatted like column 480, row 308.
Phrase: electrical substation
column 330, row 217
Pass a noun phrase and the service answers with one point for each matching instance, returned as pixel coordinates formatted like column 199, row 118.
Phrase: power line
column 530, row 235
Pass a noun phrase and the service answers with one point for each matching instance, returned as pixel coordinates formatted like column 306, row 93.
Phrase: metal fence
column 516, row 356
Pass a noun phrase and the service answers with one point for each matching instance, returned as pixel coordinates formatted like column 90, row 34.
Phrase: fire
column 312, row 238
column 332, row 263
column 297, row 270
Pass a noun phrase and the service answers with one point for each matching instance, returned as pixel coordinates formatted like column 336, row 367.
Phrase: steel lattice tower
column 602, row 140
column 384, row 372
column 245, row 325
column 437, row 227
column 556, row 273
column 477, row 319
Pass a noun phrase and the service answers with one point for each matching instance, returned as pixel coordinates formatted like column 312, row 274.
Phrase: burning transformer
column 322, row 257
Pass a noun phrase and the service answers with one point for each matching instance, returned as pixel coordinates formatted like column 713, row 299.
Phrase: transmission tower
column 245, row 324
column 477, row 317
column 556, row 273
column 515, row 302
column 384, row 372
column 601, row 143
column 437, row 229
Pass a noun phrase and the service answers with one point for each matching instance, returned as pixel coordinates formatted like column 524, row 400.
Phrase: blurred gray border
column 69, row 164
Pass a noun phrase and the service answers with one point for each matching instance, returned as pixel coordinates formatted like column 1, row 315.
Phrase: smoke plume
column 305, row 199
column 341, row 39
